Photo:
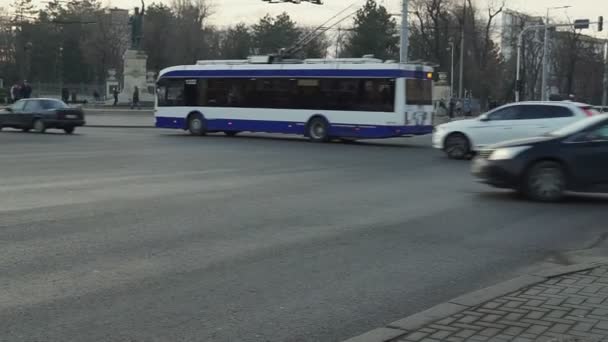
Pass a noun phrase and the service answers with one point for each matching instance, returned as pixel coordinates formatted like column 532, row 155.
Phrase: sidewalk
column 545, row 307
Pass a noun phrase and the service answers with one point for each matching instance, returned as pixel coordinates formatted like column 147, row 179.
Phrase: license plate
column 71, row 116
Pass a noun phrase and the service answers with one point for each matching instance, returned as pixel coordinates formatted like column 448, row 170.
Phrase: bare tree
column 493, row 11
column 575, row 61
column 432, row 24
column 192, row 36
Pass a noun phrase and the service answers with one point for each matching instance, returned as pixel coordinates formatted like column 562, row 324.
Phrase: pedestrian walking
column 15, row 93
column 459, row 107
column 442, row 110
column 115, row 94
column 135, row 100
column 467, row 106
column 451, row 107
column 65, row 94
column 26, row 90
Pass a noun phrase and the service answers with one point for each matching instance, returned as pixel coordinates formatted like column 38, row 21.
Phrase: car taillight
column 588, row 111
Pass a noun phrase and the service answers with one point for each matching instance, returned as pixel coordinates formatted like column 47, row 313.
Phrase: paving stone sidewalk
column 571, row 307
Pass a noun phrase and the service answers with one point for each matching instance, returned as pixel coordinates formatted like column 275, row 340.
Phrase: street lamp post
column 543, row 90
column 605, row 93
column 461, row 73
column 451, row 43
column 60, row 69
column 28, row 60
column 403, row 50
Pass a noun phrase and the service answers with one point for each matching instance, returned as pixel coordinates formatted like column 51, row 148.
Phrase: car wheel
column 69, row 130
column 545, row 181
column 457, row 146
column 39, row 126
column 196, row 125
column 318, row 130
column 231, row 133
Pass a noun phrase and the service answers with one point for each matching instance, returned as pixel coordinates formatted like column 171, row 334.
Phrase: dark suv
column 40, row 114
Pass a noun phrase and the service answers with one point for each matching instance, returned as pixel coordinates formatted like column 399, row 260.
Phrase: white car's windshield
column 577, row 126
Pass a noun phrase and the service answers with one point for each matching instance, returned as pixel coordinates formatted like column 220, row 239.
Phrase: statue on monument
column 137, row 24
column 134, row 64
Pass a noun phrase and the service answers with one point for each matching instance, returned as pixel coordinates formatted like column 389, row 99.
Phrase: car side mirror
column 484, row 117
column 8, row 109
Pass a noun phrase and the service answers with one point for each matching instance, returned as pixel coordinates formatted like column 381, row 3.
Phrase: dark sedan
column 40, row 114
column 574, row 158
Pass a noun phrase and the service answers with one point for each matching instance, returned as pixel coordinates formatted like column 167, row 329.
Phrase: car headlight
column 507, row 152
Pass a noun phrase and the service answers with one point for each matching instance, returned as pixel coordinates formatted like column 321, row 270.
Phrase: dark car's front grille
column 485, row 154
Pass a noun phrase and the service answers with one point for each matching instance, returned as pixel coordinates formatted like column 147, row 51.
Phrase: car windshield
column 577, row 126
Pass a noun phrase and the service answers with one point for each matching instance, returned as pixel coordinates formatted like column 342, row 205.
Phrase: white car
column 461, row 138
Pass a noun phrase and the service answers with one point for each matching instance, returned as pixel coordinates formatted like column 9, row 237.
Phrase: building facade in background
column 512, row 24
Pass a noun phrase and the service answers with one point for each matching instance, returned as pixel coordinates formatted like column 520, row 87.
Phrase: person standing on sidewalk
column 467, row 105
column 452, row 106
column 115, row 94
column 135, row 101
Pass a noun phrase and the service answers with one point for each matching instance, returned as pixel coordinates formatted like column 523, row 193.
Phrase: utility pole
column 605, row 95
column 403, row 53
column 451, row 43
column 461, row 78
column 60, row 68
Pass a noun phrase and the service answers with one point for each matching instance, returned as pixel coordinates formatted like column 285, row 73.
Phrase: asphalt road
column 151, row 235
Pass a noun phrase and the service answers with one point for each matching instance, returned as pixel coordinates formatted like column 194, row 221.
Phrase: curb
column 118, row 126
column 119, row 109
column 416, row 321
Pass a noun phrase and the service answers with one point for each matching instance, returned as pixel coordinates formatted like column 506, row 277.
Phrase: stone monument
column 441, row 89
column 134, row 63
column 111, row 84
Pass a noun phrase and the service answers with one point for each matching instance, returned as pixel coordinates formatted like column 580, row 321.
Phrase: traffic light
column 600, row 24
column 581, row 24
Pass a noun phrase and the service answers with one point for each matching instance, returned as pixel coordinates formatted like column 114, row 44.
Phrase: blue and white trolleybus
column 322, row 99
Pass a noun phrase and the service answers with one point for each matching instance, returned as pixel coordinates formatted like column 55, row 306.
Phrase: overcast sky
column 228, row 12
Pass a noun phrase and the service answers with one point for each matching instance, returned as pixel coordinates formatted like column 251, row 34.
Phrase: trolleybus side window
column 372, row 95
column 170, row 92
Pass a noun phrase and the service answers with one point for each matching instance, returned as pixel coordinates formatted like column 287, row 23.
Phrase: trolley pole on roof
column 404, row 33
